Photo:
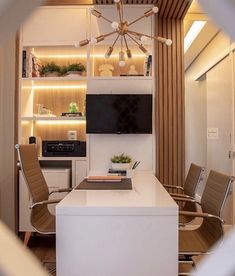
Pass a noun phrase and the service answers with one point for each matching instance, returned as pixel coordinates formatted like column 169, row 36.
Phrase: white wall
column 196, row 103
column 209, row 105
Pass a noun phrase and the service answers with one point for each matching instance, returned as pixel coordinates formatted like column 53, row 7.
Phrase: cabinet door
column 80, row 171
column 56, row 179
column 55, row 26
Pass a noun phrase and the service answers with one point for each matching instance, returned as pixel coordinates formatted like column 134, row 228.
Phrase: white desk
column 118, row 233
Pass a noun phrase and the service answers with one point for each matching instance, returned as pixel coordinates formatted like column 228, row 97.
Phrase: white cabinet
column 56, row 179
column 55, row 26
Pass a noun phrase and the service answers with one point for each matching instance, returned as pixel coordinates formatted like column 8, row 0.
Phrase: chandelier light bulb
column 155, row 9
column 116, row 1
column 122, row 62
column 143, row 38
column 168, row 42
column 93, row 41
column 114, row 25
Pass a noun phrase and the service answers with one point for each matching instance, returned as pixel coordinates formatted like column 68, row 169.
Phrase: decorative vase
column 120, row 166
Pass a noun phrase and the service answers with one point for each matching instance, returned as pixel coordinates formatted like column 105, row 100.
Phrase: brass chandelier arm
column 142, row 48
column 99, row 15
column 122, row 10
column 136, row 20
column 119, row 7
column 110, row 49
column 108, row 34
column 126, row 43
column 106, row 19
column 115, row 41
column 146, row 14
column 158, row 38
column 128, row 34
column 140, row 34
column 98, row 39
column 128, row 51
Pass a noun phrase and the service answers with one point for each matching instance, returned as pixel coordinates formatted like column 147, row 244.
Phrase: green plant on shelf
column 73, row 107
column 76, row 67
column 49, row 68
column 122, row 158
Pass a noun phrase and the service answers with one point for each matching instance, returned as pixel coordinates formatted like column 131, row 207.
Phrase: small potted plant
column 121, row 162
column 73, row 107
column 75, row 69
column 50, row 70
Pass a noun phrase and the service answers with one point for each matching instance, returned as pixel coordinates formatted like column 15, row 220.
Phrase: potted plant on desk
column 121, row 162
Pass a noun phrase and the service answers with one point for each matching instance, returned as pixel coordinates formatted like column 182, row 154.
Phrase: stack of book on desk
column 117, row 172
column 104, row 178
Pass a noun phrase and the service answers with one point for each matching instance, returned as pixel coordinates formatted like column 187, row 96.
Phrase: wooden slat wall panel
column 167, row 8
column 170, row 103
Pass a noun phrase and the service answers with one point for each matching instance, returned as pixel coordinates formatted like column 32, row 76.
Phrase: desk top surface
column 148, row 197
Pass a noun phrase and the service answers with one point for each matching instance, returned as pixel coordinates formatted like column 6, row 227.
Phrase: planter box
column 120, row 166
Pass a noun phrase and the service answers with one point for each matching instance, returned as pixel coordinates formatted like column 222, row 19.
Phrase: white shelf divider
column 61, row 118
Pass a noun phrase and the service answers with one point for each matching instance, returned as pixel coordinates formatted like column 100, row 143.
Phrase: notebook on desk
column 105, row 184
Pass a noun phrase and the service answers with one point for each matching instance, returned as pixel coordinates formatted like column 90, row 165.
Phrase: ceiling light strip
column 193, row 32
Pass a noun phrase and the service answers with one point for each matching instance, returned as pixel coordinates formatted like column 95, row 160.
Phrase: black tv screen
column 119, row 113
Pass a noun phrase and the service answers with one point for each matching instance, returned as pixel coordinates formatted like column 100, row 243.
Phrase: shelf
column 37, row 118
column 54, row 158
column 122, row 78
column 55, row 79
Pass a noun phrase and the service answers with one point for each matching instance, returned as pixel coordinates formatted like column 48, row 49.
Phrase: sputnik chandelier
column 122, row 29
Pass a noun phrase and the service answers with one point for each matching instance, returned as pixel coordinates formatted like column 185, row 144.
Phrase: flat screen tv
column 119, row 113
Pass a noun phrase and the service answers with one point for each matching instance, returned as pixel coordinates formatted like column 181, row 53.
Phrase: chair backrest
column 212, row 202
column 193, row 178
column 215, row 193
column 32, row 172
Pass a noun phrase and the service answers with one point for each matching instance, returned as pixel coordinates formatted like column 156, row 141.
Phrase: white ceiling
column 208, row 32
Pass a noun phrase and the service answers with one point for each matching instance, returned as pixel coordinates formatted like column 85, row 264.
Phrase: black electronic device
column 119, row 113
column 64, row 148
column 32, row 140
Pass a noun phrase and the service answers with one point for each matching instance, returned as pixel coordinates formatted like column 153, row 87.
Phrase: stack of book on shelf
column 148, row 66
column 31, row 65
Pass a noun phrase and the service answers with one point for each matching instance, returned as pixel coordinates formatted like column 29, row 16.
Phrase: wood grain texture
column 166, row 7
column 170, row 140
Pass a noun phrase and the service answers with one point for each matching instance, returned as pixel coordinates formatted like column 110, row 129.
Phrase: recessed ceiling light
column 193, row 32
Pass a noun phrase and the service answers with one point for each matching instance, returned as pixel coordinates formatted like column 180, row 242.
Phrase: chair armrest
column 50, row 201
column 181, row 195
column 200, row 215
column 61, row 190
column 180, row 199
column 173, row 187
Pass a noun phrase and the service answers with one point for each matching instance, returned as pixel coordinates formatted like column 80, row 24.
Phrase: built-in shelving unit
column 55, row 92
